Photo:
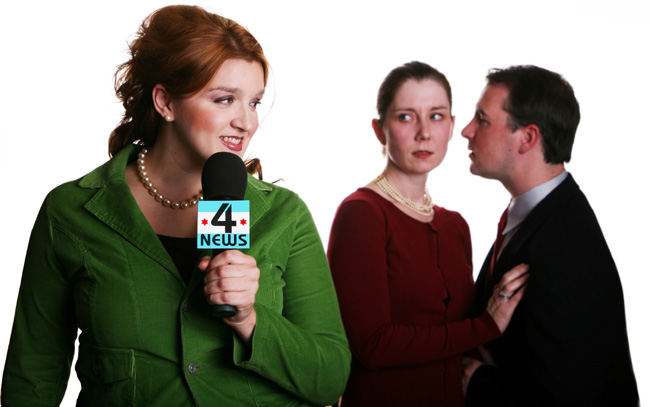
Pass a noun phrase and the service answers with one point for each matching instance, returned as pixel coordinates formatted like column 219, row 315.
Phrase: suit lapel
column 484, row 281
column 512, row 253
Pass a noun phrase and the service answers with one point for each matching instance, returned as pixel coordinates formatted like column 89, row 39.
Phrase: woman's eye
column 404, row 117
column 436, row 116
column 256, row 103
column 225, row 100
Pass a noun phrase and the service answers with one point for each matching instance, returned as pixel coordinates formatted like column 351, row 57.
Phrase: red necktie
column 499, row 241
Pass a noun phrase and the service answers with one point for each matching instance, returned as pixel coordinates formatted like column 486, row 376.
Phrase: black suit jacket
column 567, row 342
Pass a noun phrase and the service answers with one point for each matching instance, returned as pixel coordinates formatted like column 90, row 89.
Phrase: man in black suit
column 567, row 342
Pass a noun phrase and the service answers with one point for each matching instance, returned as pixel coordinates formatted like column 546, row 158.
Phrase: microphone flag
column 223, row 225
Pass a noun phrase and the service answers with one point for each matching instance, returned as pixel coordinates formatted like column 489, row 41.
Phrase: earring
column 168, row 118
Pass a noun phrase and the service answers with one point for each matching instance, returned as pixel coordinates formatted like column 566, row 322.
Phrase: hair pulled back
column 396, row 78
column 181, row 48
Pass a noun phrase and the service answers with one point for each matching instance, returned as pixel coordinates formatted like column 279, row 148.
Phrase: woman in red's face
column 417, row 128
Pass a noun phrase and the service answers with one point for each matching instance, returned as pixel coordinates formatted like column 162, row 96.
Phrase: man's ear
column 530, row 138
column 379, row 131
column 162, row 102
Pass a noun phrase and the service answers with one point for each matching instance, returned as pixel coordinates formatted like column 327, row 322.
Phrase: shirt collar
column 523, row 204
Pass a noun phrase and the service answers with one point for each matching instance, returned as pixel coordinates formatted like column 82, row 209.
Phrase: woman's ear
column 451, row 129
column 162, row 102
column 379, row 131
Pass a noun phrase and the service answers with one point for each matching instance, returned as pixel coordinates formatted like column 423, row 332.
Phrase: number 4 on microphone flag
column 223, row 225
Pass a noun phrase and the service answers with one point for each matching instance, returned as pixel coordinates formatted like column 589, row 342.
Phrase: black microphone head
column 224, row 177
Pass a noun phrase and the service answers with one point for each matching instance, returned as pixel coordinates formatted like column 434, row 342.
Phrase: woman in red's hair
column 114, row 253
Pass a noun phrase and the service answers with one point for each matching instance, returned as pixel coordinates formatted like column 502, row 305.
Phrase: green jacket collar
column 114, row 205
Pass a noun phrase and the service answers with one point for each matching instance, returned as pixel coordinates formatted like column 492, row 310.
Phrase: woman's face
column 223, row 115
column 417, row 127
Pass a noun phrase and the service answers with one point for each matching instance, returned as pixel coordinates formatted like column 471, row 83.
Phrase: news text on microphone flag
column 223, row 225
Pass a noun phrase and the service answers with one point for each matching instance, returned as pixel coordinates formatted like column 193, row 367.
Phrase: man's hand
column 469, row 367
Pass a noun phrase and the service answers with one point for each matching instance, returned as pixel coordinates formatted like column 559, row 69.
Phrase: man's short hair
column 544, row 98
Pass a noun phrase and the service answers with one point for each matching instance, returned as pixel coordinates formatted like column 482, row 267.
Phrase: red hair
column 181, row 48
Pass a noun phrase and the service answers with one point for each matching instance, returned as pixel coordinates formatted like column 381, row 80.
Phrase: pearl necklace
column 144, row 177
column 425, row 209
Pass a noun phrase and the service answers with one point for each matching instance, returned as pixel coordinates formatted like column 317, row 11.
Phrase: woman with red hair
column 114, row 253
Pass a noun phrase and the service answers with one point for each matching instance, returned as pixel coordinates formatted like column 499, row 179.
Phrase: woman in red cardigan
column 402, row 266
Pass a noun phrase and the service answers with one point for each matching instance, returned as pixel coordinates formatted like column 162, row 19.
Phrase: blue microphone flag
column 223, row 225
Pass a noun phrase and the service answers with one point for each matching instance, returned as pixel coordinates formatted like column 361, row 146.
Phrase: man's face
column 491, row 142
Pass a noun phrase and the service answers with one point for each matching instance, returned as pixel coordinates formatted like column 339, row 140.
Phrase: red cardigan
column 405, row 288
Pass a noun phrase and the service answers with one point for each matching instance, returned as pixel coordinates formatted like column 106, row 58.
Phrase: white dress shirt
column 520, row 206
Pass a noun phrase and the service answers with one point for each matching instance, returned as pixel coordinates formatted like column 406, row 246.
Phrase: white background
column 57, row 108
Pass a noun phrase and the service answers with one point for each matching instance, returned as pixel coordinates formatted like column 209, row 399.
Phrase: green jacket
column 147, row 339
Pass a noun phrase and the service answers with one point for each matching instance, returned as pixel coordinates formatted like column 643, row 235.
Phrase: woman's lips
column 423, row 154
column 233, row 143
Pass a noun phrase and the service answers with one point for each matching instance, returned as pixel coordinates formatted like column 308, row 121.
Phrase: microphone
column 223, row 179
